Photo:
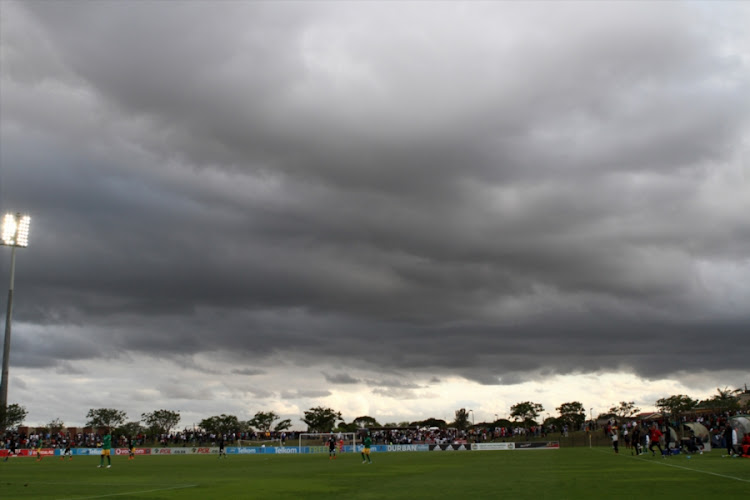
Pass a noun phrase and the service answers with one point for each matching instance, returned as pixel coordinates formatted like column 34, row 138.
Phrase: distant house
column 744, row 399
column 649, row 415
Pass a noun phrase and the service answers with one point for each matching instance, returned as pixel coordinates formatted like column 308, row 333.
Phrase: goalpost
column 321, row 439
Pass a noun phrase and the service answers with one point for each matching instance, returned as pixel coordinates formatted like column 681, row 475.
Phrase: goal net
column 244, row 443
column 321, row 439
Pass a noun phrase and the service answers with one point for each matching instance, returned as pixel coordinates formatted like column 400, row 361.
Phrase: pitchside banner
column 28, row 452
column 532, row 445
column 450, row 447
column 293, row 450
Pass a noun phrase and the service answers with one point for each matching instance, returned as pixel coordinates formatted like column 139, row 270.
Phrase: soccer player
column 366, row 450
column 67, row 452
column 39, row 451
column 636, row 439
column 11, row 449
column 106, row 450
column 615, row 438
column 221, row 447
column 654, row 435
column 331, row 448
column 131, row 447
column 730, row 436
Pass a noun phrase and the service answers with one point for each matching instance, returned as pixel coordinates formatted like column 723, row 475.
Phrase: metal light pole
column 15, row 234
column 472, row 416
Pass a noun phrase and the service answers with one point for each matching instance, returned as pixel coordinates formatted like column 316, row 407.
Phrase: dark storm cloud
column 490, row 192
column 341, row 378
column 248, row 371
column 311, row 394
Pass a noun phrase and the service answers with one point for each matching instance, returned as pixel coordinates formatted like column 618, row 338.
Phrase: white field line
column 136, row 492
column 665, row 462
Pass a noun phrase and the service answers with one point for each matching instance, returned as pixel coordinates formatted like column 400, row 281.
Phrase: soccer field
column 573, row 473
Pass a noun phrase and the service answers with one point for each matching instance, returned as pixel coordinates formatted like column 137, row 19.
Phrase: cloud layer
column 379, row 193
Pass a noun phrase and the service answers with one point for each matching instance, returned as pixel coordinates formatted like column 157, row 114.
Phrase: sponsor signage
column 493, row 446
column 126, row 451
column 407, row 447
column 538, row 445
column 243, row 451
column 450, row 447
column 293, row 450
column 86, row 451
column 289, row 450
column 205, row 451
column 26, row 452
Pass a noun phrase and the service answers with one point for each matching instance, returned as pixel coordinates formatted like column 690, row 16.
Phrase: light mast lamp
column 15, row 233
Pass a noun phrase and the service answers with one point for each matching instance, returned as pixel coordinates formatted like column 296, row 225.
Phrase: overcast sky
column 391, row 209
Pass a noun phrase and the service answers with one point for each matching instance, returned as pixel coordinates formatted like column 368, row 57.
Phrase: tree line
column 323, row 419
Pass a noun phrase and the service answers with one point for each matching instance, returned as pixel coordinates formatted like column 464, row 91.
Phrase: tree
column 344, row 427
column 130, row 429
column 365, row 422
column 674, row 405
column 55, row 426
column 430, row 422
column 12, row 416
column 625, row 410
column 221, row 424
column 527, row 412
column 462, row 419
column 502, row 422
column 321, row 419
column 161, row 421
column 725, row 400
column 400, row 425
column 105, row 417
column 263, row 421
column 572, row 414
column 283, row 425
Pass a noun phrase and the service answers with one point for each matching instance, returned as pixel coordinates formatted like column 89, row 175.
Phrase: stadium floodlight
column 15, row 233
column 16, row 230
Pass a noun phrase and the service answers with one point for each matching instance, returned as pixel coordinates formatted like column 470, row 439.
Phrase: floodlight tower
column 15, row 233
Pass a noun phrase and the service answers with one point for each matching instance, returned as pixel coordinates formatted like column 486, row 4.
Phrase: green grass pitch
column 574, row 473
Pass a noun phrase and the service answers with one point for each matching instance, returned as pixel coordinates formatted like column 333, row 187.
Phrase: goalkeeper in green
column 106, row 450
column 366, row 450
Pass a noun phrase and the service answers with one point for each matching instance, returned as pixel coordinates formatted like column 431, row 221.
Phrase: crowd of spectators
column 715, row 423
column 186, row 437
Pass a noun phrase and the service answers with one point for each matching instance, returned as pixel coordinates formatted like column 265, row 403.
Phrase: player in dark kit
column 11, row 449
column 636, row 440
column 67, row 452
column 331, row 448
column 222, row 453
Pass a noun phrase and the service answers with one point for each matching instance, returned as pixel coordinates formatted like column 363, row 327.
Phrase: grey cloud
column 393, row 384
column 340, row 378
column 307, row 394
column 248, row 371
column 258, row 183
